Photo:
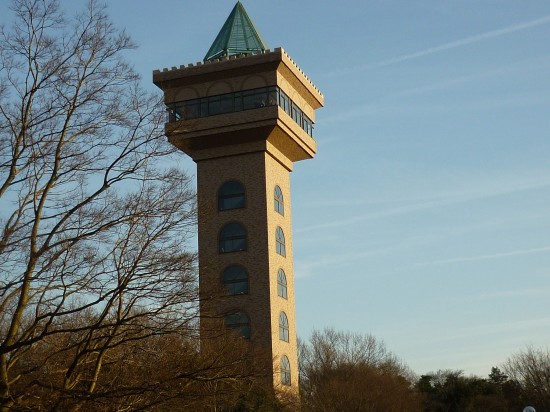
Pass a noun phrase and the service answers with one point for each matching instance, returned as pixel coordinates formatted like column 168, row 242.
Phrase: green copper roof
column 238, row 35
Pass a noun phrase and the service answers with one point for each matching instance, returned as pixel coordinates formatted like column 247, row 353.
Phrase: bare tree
column 94, row 228
column 531, row 370
column 342, row 371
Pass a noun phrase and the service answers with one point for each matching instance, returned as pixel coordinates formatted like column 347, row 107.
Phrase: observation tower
column 245, row 114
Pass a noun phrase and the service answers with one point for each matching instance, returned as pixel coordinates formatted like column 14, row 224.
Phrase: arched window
column 285, row 371
column 232, row 238
column 231, row 196
column 283, row 327
column 280, row 241
column 279, row 201
column 235, row 280
column 239, row 322
column 281, row 283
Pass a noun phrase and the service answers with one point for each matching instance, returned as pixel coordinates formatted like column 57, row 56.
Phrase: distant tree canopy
column 451, row 391
column 352, row 372
column 342, row 371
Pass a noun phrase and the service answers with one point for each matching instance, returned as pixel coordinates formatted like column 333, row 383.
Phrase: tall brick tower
column 245, row 115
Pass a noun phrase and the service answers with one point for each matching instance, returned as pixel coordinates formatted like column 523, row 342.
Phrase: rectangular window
column 174, row 113
column 296, row 114
column 285, row 103
column 307, row 125
column 203, row 108
column 237, row 288
column 232, row 245
column 239, row 101
column 283, row 333
column 281, row 290
column 231, row 202
column 214, row 105
column 226, row 103
column 272, row 96
column 191, row 109
column 249, row 100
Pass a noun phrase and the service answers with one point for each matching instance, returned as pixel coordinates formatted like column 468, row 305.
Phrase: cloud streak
column 512, row 294
column 446, row 46
column 489, row 256
column 308, row 267
column 491, row 189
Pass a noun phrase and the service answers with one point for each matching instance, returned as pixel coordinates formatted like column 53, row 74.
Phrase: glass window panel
column 272, row 96
column 214, row 105
column 280, row 242
column 191, row 109
column 226, row 103
column 235, row 280
column 285, row 371
column 279, row 201
column 296, row 114
column 238, row 101
column 239, row 322
column 232, row 238
column 281, row 284
column 249, row 100
column 174, row 113
column 231, row 195
column 285, row 103
column 260, row 98
column 204, row 108
column 308, row 126
column 283, row 327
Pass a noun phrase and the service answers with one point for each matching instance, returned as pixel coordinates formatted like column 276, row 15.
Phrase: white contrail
column 447, row 46
column 492, row 256
column 433, row 202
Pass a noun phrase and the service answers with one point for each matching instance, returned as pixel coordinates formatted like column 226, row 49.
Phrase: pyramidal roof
column 238, row 35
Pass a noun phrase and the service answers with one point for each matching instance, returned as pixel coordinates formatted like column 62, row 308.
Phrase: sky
column 424, row 219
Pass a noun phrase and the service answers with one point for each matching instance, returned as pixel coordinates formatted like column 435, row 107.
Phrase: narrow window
column 279, row 201
column 261, row 99
column 235, row 280
column 285, row 371
column 281, row 284
column 214, row 105
column 284, row 102
column 232, row 238
column 174, row 113
column 249, row 99
column 226, row 103
column 296, row 114
column 204, row 107
column 239, row 322
column 238, row 96
column 231, row 195
column 283, row 327
column 191, row 109
column 308, row 126
column 272, row 93
column 280, row 241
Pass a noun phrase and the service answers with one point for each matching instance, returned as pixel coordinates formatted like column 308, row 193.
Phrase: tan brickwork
column 280, row 176
column 257, row 148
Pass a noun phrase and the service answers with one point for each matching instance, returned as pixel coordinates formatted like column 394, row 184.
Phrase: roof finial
column 237, row 35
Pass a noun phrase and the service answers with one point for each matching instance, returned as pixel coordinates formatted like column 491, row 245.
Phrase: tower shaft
column 244, row 120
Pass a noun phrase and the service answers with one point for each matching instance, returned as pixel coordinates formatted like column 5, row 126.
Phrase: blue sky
column 425, row 217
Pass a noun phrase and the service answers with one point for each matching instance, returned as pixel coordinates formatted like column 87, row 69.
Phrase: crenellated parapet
column 232, row 63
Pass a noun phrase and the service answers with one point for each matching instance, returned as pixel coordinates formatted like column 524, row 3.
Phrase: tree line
column 98, row 289
column 342, row 371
